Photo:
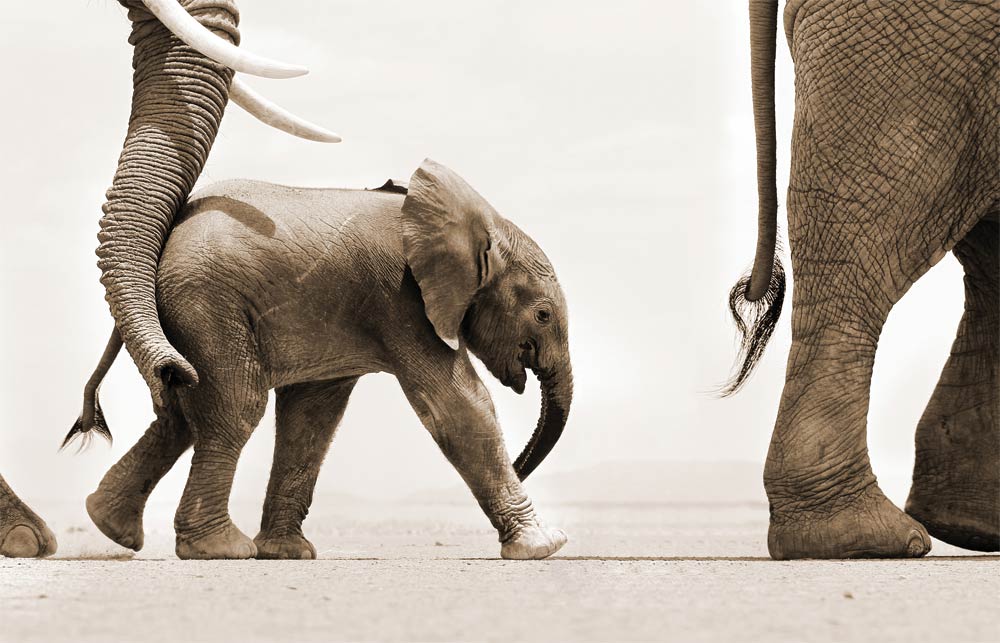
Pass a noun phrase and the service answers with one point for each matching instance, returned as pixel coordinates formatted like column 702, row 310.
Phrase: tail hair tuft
column 87, row 428
column 755, row 322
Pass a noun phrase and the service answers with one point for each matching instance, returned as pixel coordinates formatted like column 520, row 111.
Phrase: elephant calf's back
column 277, row 229
column 295, row 262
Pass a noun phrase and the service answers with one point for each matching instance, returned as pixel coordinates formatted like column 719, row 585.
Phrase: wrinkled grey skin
column 22, row 533
column 178, row 100
column 304, row 291
column 894, row 163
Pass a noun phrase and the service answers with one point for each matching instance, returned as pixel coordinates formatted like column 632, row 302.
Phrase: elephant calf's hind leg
column 120, row 500
column 307, row 418
column 956, row 477
column 223, row 414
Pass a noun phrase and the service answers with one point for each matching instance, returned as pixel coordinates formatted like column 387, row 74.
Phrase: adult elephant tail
column 756, row 299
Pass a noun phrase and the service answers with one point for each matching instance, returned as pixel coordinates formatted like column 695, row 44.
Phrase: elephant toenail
column 21, row 542
column 916, row 545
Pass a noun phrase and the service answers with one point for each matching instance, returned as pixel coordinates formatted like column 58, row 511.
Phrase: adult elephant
column 184, row 60
column 894, row 163
column 22, row 533
column 305, row 291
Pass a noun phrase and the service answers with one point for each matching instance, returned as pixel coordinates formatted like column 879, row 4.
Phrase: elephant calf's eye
column 542, row 316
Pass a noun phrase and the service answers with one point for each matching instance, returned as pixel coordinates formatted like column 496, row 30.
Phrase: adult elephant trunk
column 178, row 100
column 756, row 300
column 557, row 396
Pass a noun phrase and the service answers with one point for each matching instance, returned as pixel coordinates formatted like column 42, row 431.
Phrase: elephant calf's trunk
column 557, row 396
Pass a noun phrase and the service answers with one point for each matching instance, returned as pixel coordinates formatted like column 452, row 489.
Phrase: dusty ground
column 407, row 572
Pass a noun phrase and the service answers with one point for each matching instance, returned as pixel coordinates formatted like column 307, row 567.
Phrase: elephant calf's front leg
column 461, row 419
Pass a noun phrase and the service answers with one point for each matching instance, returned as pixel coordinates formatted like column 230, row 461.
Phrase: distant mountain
column 636, row 482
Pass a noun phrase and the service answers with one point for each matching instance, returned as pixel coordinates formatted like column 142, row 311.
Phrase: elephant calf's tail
column 92, row 418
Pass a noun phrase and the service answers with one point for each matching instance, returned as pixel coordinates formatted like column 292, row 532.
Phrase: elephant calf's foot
column 227, row 542
column 118, row 518
column 284, row 547
column 869, row 527
column 533, row 543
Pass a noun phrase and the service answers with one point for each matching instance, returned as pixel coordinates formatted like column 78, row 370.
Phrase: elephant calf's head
column 483, row 279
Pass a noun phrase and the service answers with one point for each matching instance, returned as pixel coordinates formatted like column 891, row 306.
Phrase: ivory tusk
column 196, row 36
column 267, row 112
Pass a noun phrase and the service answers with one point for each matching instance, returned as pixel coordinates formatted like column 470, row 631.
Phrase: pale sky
column 619, row 135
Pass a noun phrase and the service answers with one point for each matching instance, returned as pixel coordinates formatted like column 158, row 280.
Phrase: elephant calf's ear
column 450, row 243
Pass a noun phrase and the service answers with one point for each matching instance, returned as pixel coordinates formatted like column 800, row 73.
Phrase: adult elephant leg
column 120, row 500
column 307, row 418
column 223, row 412
column 22, row 533
column 824, row 499
column 891, row 166
column 956, row 476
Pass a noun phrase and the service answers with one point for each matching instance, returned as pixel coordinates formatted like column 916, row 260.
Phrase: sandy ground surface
column 430, row 572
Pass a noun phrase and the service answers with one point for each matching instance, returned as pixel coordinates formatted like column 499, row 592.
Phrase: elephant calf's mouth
column 515, row 377
column 515, row 381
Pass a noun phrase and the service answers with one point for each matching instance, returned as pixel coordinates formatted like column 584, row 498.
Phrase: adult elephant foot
column 956, row 474
column 227, row 543
column 533, row 543
column 22, row 533
column 119, row 518
column 28, row 541
column 284, row 547
column 868, row 526
column 27, row 537
column 959, row 515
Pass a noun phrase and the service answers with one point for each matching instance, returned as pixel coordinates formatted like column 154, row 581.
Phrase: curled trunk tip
column 557, row 394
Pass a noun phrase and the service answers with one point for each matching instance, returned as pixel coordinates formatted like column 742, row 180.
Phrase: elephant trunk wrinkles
column 557, row 396
column 178, row 100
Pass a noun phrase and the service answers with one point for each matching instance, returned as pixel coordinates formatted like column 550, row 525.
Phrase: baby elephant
column 304, row 291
